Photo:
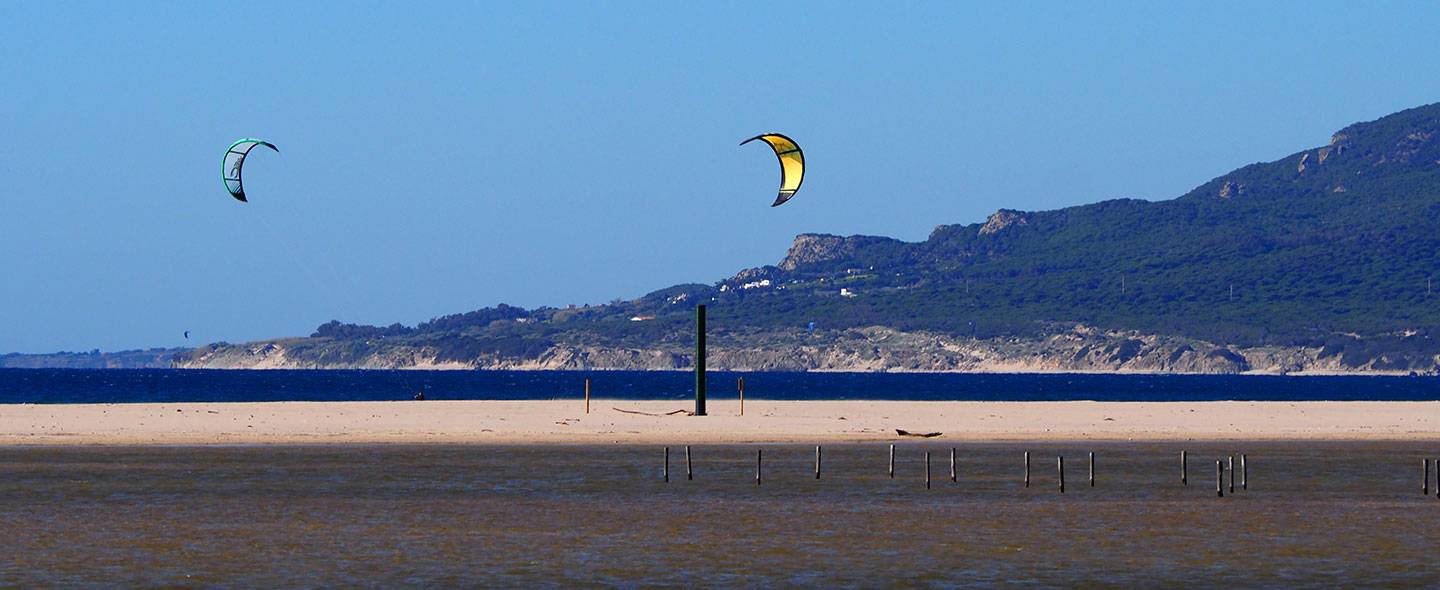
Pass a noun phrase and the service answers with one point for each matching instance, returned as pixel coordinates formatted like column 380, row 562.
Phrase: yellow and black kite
column 792, row 164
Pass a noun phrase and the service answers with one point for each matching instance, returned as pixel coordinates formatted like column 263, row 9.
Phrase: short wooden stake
column 953, row 479
column 1092, row 469
column 817, row 461
column 1060, row 467
column 892, row 461
column 587, row 395
column 1231, row 467
column 666, row 472
column 927, row 470
column 1219, row 478
column 1027, row 469
column 742, row 396
column 1184, row 479
column 689, row 472
column 1244, row 473
column 1425, row 477
column 759, row 457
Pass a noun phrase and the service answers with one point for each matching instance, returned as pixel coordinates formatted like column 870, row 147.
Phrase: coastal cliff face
column 1079, row 349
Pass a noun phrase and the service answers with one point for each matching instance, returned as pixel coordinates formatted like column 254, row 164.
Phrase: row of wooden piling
column 1059, row 469
column 1425, row 480
column 1225, row 470
column 1222, row 466
column 1220, row 469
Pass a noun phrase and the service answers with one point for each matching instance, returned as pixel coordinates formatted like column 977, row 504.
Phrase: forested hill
column 1331, row 248
column 1339, row 239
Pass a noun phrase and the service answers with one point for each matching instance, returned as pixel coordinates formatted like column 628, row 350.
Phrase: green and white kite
column 234, row 160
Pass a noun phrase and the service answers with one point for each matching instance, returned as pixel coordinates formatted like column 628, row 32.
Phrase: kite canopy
column 792, row 164
column 234, row 160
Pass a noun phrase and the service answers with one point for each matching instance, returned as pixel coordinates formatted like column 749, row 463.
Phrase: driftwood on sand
column 917, row 434
column 686, row 412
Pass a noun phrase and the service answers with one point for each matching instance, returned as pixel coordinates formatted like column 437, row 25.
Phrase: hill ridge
column 1321, row 260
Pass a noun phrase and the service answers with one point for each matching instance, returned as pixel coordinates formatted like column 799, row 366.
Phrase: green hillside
column 1331, row 246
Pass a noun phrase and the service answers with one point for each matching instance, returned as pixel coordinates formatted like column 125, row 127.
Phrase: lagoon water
column 1315, row 515
column 168, row 386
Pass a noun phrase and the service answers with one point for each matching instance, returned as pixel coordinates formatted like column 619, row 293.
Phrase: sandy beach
column 620, row 421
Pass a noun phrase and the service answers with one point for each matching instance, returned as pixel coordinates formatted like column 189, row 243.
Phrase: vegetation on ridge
column 1332, row 247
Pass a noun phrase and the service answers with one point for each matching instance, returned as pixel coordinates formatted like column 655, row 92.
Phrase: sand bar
column 517, row 422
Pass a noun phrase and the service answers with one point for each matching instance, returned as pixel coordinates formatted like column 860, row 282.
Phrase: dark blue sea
column 60, row 386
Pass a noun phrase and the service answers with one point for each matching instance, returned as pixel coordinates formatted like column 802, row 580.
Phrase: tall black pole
column 700, row 360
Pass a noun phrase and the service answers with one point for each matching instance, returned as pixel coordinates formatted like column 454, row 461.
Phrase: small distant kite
column 187, row 334
column 792, row 164
column 234, row 160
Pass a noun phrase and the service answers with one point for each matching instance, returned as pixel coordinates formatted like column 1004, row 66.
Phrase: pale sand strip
column 504, row 422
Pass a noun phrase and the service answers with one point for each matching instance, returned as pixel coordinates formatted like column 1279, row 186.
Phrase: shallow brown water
column 1316, row 514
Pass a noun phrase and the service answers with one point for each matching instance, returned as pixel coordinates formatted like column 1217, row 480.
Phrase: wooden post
column 700, row 360
column 927, row 470
column 1060, row 467
column 666, row 472
column 817, row 461
column 587, row 395
column 1184, row 479
column 1425, row 477
column 1092, row 469
column 759, row 456
column 1244, row 473
column 1219, row 478
column 742, row 396
column 1231, row 467
column 892, row 461
column 689, row 472
column 953, row 479
column 1027, row 469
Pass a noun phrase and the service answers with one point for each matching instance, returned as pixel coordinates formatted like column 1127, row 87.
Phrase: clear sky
column 449, row 156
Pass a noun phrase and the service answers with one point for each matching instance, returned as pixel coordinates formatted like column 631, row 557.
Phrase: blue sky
column 453, row 156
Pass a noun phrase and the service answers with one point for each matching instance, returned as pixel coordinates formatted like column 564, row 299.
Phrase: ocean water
column 1314, row 515
column 165, row 385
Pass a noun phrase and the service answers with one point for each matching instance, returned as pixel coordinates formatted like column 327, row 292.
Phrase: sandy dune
column 764, row 421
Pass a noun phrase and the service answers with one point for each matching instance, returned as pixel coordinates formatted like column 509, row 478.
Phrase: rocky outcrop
column 753, row 274
column 1002, row 219
column 818, row 248
column 1404, row 138
column 812, row 248
column 1231, row 188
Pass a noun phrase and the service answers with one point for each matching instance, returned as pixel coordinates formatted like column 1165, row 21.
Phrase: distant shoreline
column 665, row 422
column 1313, row 373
